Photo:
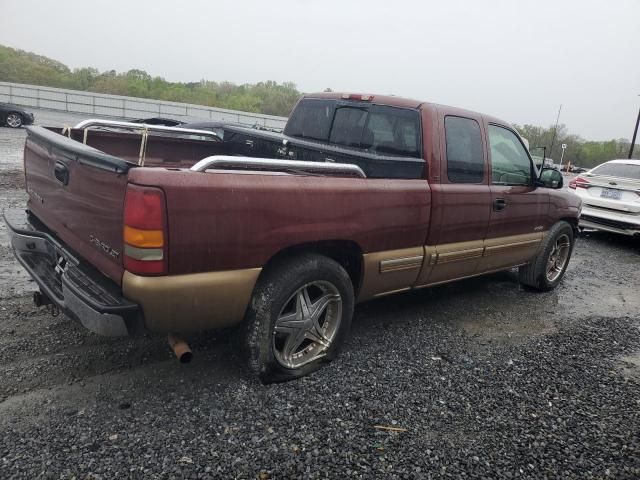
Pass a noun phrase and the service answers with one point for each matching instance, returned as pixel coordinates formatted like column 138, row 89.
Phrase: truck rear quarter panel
column 228, row 220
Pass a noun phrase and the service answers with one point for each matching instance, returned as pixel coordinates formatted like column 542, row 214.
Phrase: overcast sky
column 514, row 59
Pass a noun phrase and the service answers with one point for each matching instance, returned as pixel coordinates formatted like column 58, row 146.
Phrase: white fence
column 100, row 104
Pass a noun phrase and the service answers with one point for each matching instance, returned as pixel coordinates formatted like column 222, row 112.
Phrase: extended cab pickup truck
column 169, row 231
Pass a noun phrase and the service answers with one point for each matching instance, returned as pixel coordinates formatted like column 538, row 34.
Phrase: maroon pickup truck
column 174, row 231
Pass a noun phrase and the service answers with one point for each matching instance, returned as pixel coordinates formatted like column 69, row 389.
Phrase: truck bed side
column 228, row 220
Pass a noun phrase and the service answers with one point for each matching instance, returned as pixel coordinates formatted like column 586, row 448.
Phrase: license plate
column 611, row 193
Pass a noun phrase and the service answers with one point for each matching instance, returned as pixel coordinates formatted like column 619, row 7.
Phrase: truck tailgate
column 78, row 192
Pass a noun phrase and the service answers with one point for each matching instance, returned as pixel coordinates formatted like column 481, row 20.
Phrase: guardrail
column 100, row 104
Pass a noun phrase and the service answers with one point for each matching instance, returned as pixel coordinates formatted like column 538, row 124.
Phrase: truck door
column 460, row 201
column 518, row 208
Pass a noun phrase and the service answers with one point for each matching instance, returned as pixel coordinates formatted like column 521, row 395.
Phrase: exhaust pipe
column 40, row 299
column 180, row 348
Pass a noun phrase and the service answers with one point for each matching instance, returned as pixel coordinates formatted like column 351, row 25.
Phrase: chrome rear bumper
column 77, row 289
column 609, row 220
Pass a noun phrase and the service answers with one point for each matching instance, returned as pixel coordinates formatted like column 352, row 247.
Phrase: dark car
column 14, row 116
column 167, row 122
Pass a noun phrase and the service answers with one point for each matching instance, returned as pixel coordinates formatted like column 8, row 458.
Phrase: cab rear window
column 311, row 119
column 392, row 131
column 377, row 129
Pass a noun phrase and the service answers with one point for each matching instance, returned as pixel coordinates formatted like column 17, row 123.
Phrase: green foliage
column 579, row 151
column 268, row 97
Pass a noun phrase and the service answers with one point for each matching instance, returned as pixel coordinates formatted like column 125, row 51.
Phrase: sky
column 514, row 59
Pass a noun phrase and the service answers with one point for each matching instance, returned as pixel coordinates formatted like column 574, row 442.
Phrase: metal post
column 564, row 146
column 635, row 134
column 555, row 131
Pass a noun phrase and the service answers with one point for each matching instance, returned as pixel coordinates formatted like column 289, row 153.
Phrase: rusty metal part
column 180, row 347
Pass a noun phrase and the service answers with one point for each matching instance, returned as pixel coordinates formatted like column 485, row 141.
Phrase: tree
column 267, row 97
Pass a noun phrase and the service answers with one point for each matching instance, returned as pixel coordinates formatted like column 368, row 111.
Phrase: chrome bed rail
column 271, row 164
column 144, row 130
column 97, row 122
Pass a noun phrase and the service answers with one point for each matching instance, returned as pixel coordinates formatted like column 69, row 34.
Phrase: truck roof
column 402, row 102
column 390, row 100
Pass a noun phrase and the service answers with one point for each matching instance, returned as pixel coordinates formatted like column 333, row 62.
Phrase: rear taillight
column 145, row 227
column 579, row 182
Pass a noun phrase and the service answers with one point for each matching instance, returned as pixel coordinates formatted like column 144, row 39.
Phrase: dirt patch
column 630, row 365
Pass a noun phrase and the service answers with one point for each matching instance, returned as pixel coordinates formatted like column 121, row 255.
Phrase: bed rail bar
column 144, row 130
column 250, row 163
column 98, row 122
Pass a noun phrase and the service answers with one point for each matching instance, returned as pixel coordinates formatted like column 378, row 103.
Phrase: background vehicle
column 167, row 122
column 363, row 196
column 610, row 196
column 14, row 116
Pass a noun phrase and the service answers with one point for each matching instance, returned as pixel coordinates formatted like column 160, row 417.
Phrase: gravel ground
column 482, row 378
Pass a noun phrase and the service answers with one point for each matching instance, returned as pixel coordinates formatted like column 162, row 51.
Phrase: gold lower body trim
column 395, row 271
column 390, row 271
column 479, row 274
column 187, row 303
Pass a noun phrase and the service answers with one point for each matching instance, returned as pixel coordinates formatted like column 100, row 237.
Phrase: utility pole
column 555, row 131
column 635, row 134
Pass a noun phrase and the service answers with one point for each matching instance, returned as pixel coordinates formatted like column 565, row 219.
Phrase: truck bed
column 215, row 220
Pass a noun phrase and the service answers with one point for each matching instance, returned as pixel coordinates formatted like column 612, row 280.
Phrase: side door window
column 465, row 157
column 510, row 163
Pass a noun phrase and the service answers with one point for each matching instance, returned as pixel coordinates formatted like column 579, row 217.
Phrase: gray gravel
column 484, row 379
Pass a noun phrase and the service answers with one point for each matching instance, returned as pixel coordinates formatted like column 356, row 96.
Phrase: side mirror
column 550, row 178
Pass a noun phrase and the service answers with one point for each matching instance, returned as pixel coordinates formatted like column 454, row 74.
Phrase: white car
column 610, row 196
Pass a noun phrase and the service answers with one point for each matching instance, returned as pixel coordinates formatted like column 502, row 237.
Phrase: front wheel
column 548, row 267
column 299, row 316
column 14, row 120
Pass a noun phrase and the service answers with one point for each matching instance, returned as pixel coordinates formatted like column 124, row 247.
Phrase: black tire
column 273, row 293
column 534, row 274
column 17, row 123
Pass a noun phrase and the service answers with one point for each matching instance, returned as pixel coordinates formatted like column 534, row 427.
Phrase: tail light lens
column 145, row 227
column 579, row 182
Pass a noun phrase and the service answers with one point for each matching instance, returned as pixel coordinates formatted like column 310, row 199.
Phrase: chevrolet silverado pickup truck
column 172, row 231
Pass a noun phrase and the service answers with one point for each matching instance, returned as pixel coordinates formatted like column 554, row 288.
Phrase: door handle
column 61, row 172
column 499, row 204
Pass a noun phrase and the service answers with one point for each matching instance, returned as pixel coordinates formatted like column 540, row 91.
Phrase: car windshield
column 621, row 170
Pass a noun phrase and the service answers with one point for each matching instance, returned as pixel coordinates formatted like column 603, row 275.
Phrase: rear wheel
column 547, row 269
column 14, row 120
column 299, row 316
